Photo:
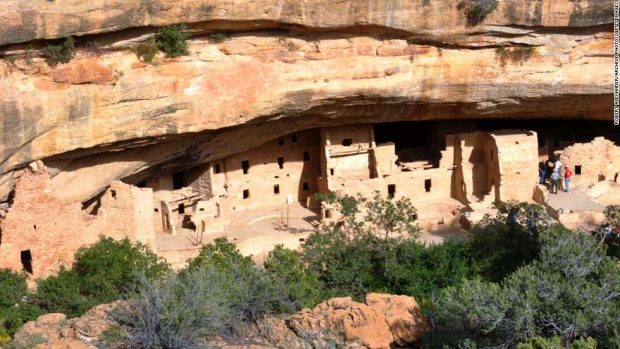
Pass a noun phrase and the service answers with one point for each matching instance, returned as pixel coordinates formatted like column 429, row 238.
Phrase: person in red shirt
column 567, row 175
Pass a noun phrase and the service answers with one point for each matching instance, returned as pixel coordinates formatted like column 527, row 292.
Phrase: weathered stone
column 402, row 315
column 341, row 320
column 26, row 21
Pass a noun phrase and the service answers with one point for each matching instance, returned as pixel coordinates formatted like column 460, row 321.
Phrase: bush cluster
column 101, row 273
column 571, row 291
column 220, row 292
column 56, row 54
column 172, row 40
column 518, row 281
column 516, row 55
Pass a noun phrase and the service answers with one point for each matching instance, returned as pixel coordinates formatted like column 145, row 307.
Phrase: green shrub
column 345, row 267
column 219, row 37
column 146, row 51
column 477, row 10
column 55, row 54
column 220, row 292
column 607, row 233
column 15, row 309
column 556, row 343
column 374, row 249
column 285, row 269
column 497, row 246
column 101, row 273
column 172, row 40
column 13, row 288
column 570, row 292
column 423, row 271
column 15, row 317
column 517, row 55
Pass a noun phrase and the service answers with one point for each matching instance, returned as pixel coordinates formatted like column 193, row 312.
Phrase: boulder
column 341, row 320
column 402, row 315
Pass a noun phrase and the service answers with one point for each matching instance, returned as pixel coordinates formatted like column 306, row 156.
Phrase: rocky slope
column 288, row 65
column 383, row 321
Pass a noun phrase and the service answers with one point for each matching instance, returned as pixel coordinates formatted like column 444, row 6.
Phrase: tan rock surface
column 402, row 315
column 106, row 115
column 340, row 320
column 25, row 21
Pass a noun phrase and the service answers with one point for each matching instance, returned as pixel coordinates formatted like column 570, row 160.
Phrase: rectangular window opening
column 347, row 142
column 276, row 189
column 141, row 184
column 306, row 156
column 181, row 208
column 305, row 187
column 328, row 214
column 577, row 169
column 427, row 185
column 178, row 181
column 26, row 259
column 245, row 165
column 281, row 162
column 391, row 190
column 246, row 194
column 218, row 168
column 331, row 171
column 113, row 193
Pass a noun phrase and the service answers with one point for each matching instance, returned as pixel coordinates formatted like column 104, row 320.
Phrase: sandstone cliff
column 288, row 65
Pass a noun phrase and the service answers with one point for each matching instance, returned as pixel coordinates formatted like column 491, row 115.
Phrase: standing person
column 542, row 171
column 555, row 182
column 567, row 175
column 557, row 166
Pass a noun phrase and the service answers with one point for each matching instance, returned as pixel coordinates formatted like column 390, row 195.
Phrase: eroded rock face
column 287, row 66
column 338, row 322
column 26, row 21
column 402, row 315
column 56, row 331
column 341, row 320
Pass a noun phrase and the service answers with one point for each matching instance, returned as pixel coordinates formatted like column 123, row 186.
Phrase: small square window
column 181, row 208
column 347, row 142
column 246, row 194
column 276, row 189
column 306, row 156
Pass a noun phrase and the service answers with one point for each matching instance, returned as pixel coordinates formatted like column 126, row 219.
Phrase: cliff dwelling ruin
column 276, row 101
column 453, row 172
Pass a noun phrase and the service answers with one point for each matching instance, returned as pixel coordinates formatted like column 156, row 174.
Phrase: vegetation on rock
column 477, row 10
column 516, row 55
column 56, row 54
column 172, row 40
column 146, row 51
